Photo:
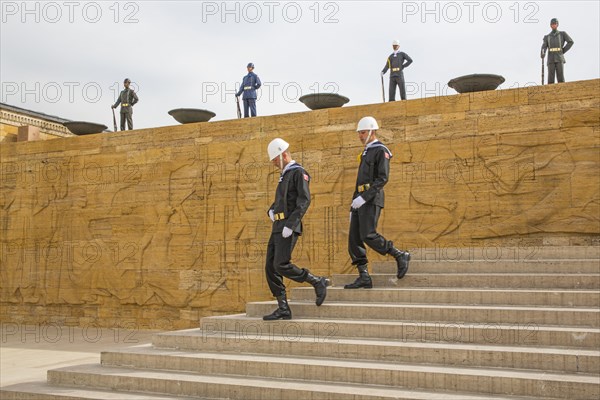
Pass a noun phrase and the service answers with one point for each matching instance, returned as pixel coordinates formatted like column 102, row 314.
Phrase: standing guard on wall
column 250, row 83
column 396, row 63
column 292, row 198
column 127, row 99
column 557, row 43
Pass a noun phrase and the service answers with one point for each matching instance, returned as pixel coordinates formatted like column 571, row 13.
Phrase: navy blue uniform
column 250, row 83
column 292, row 198
column 373, row 174
column 396, row 63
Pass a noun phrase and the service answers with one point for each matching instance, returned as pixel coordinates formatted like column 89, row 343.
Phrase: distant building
column 20, row 124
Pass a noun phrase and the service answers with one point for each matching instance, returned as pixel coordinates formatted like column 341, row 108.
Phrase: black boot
column 363, row 280
column 320, row 284
column 282, row 312
column 402, row 259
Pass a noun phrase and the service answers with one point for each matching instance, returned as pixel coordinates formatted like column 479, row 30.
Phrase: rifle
column 114, row 119
column 382, row 89
column 542, row 71
column 239, row 111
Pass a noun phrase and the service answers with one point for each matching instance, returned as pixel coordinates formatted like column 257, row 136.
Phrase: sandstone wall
column 154, row 228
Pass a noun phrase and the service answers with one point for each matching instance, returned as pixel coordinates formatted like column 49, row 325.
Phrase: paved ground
column 28, row 351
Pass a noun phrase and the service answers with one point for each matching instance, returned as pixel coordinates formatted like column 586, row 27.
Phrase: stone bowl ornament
column 317, row 101
column 84, row 128
column 191, row 115
column 476, row 83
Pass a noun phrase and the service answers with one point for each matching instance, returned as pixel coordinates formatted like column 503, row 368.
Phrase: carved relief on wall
column 490, row 187
column 173, row 230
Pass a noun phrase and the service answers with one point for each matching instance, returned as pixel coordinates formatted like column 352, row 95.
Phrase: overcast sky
column 69, row 58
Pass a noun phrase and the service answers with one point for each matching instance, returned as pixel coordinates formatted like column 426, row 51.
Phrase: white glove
column 287, row 232
column 272, row 215
column 358, row 203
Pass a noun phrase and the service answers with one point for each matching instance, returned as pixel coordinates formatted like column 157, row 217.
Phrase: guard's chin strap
column 281, row 161
column 368, row 138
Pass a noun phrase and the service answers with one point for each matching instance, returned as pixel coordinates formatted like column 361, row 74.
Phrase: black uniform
column 292, row 199
column 373, row 174
column 127, row 99
column 396, row 63
column 557, row 43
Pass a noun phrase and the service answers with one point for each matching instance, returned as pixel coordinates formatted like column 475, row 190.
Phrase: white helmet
column 277, row 147
column 367, row 124
column 396, row 43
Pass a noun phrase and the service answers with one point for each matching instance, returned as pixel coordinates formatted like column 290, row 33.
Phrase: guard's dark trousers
column 249, row 105
column 278, row 263
column 556, row 68
column 397, row 80
column 363, row 227
column 126, row 116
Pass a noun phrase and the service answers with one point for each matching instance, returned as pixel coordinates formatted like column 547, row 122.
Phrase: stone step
column 44, row 391
column 405, row 376
column 496, row 253
column 236, row 387
column 508, row 281
column 449, row 354
column 502, row 266
column 417, row 331
column 587, row 317
column 517, row 297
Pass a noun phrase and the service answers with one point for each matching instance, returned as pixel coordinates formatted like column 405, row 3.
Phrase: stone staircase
column 463, row 324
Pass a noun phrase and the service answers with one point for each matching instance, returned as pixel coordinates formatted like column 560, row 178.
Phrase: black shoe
column 282, row 312
column 402, row 259
column 363, row 280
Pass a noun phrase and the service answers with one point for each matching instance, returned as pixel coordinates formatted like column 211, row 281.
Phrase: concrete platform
column 27, row 352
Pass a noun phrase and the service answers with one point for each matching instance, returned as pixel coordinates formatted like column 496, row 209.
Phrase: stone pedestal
column 28, row 133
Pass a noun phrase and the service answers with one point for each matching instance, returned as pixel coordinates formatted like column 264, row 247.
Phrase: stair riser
column 497, row 254
column 195, row 389
column 338, row 374
column 7, row 395
column 479, row 297
column 508, row 281
column 331, row 348
column 527, row 335
column 434, row 314
column 481, row 267
column 81, row 394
